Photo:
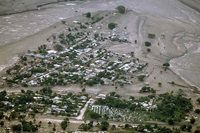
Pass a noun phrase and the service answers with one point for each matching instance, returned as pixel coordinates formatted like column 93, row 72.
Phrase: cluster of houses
column 58, row 105
column 85, row 61
column 147, row 104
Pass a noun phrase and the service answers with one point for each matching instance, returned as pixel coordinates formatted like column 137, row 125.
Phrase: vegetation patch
column 151, row 36
column 147, row 44
column 143, row 109
column 112, row 25
column 121, row 9
column 147, row 89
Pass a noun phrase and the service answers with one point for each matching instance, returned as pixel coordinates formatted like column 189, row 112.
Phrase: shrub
column 46, row 90
column 164, row 130
column 2, row 123
column 16, row 127
column 151, row 36
column 166, row 64
column 141, row 78
column 112, row 25
column 148, row 50
column 147, row 44
column 63, row 22
column 121, row 9
column 159, row 84
column 198, row 100
column 88, row 14
column 127, row 126
column 1, row 115
column 171, row 122
column 197, row 131
column 147, row 89
column 192, row 120
column 189, row 128
column 58, row 47
column 64, row 123
column 83, row 27
column 183, row 127
column 197, row 111
column 94, row 115
column 104, row 125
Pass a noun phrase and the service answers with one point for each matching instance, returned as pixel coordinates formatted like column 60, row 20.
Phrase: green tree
column 13, row 115
column 141, row 78
column 16, row 127
column 147, row 44
column 197, row 131
column 104, row 125
column 85, row 127
column 127, row 126
column 198, row 100
column 88, row 14
column 94, row 115
column 192, row 120
column 189, row 128
column 112, row 25
column 58, row 47
column 171, row 122
column 54, row 127
column 121, row 9
column 166, row 64
column 1, row 115
column 113, row 127
column 159, row 84
column 183, row 127
column 151, row 36
column 46, row 90
column 83, row 90
column 32, row 114
column 64, row 123
column 49, row 123
column 148, row 50
column 163, row 130
column 197, row 111
column 22, row 91
column 2, row 123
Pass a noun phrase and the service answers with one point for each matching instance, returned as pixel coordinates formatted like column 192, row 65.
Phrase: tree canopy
column 121, row 9
column 58, row 47
column 112, row 25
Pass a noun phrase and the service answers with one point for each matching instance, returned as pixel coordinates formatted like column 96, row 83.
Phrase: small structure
column 51, row 52
column 101, row 96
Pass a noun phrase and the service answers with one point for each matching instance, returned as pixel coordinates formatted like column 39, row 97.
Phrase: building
column 101, row 96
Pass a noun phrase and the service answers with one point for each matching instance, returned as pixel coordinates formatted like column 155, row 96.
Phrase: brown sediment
column 194, row 4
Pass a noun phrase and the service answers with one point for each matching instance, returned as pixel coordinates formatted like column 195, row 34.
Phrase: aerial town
column 105, row 67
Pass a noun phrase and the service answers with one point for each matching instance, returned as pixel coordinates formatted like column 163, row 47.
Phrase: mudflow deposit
column 178, row 22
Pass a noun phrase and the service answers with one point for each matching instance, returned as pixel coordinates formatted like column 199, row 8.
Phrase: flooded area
column 16, row 26
column 178, row 20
